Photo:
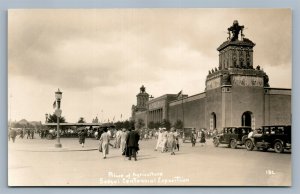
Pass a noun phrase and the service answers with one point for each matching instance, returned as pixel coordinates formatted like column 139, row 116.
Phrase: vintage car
column 277, row 137
column 232, row 136
column 187, row 134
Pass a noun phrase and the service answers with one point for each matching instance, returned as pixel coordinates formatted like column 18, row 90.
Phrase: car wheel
column 233, row 144
column 249, row 145
column 278, row 147
column 216, row 142
column 49, row 136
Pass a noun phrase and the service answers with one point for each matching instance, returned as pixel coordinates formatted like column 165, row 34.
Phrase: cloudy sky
column 100, row 58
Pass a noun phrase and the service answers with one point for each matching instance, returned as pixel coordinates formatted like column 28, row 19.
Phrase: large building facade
column 237, row 93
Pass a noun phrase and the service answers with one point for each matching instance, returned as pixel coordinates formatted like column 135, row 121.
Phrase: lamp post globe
column 58, row 97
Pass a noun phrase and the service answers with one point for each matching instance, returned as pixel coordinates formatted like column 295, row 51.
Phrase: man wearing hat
column 133, row 143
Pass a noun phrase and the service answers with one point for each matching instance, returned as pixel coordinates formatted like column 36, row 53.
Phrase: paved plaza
column 35, row 162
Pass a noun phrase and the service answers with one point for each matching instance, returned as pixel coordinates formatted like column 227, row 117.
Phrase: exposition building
column 237, row 93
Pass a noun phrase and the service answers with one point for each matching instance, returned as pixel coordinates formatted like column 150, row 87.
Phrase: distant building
column 236, row 94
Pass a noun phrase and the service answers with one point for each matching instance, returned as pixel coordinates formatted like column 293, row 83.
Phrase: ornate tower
column 235, row 52
column 235, row 87
column 142, row 99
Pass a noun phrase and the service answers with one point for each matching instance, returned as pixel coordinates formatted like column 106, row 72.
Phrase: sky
column 99, row 58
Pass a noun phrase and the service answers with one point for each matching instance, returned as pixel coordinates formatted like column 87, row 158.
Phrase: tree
column 151, row 125
column 157, row 125
column 126, row 124
column 140, row 124
column 119, row 125
column 166, row 123
column 178, row 124
column 53, row 119
column 81, row 120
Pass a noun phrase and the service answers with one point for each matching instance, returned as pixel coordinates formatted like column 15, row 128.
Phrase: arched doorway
column 247, row 119
column 213, row 121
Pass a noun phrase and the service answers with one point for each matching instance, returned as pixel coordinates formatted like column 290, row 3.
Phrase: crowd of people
column 13, row 133
column 125, row 140
column 167, row 140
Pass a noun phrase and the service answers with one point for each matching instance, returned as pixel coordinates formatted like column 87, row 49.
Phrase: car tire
column 233, row 144
column 249, row 145
column 278, row 147
column 49, row 136
column 216, row 142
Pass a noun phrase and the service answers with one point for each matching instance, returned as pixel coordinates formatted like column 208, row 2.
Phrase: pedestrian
column 21, row 133
column 28, row 134
column 118, row 139
column 193, row 137
column 156, row 134
column 123, row 138
column 12, row 134
column 176, row 134
column 104, row 143
column 164, row 140
column 32, row 133
column 202, row 137
column 159, row 139
column 81, row 137
column 171, row 142
column 133, row 144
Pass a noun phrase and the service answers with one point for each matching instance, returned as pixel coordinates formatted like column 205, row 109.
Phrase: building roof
column 244, row 42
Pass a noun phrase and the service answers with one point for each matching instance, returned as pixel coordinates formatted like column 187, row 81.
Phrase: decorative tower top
column 142, row 89
column 142, row 99
column 235, row 52
column 234, row 31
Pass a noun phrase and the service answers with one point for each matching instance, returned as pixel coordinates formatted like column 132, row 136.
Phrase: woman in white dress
column 104, row 141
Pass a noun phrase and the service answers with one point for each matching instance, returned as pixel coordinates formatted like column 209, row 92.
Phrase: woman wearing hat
column 202, row 137
column 81, row 136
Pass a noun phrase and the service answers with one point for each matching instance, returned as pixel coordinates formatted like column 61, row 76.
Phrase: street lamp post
column 46, row 115
column 58, row 97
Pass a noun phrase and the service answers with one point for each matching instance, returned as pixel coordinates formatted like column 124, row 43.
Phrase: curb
column 57, row 150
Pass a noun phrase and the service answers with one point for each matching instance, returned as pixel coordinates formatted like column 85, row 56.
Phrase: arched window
column 213, row 121
column 248, row 119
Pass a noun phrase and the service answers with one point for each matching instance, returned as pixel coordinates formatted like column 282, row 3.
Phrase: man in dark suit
column 133, row 143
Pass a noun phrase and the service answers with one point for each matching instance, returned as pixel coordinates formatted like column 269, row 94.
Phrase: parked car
column 276, row 136
column 50, row 134
column 232, row 136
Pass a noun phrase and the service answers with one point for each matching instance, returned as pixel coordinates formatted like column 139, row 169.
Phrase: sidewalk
column 44, row 145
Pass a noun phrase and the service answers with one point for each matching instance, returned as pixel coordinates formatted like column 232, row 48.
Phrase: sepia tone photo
column 149, row 97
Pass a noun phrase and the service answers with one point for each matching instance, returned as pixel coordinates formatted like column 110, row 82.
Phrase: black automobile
column 187, row 134
column 277, row 137
column 232, row 136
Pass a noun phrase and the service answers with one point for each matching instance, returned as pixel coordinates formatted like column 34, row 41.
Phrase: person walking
column 123, row 139
column 118, row 138
column 28, row 133
column 171, row 142
column 176, row 134
column 12, row 134
column 21, row 134
column 104, row 143
column 32, row 133
column 81, row 137
column 133, row 144
column 159, row 139
column 164, row 140
column 193, row 138
column 202, row 137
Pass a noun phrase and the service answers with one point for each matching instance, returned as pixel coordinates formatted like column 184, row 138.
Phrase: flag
column 54, row 104
column 121, row 116
column 179, row 94
column 114, row 118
